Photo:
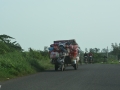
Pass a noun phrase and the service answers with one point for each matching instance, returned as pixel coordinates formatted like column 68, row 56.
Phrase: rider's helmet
column 51, row 45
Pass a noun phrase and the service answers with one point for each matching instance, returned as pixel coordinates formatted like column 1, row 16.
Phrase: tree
column 104, row 50
column 86, row 50
column 115, row 49
column 7, row 45
column 92, row 50
column 96, row 50
column 45, row 49
column 5, row 38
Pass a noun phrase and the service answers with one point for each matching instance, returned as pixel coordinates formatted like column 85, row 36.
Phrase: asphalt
column 87, row 77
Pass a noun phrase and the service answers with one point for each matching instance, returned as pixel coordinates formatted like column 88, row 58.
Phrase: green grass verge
column 16, row 64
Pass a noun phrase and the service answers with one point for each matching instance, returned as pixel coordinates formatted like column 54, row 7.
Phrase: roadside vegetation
column 15, row 62
column 113, row 55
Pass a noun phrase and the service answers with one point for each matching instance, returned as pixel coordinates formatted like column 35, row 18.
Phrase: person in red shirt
column 90, row 55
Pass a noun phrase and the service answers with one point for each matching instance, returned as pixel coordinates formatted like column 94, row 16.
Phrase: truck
column 63, row 53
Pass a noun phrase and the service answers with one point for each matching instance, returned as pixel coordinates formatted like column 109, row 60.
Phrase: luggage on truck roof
column 71, row 41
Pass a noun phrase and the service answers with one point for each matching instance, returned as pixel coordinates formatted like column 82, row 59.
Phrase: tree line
column 6, row 46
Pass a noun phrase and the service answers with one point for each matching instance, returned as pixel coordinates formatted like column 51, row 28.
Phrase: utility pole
column 107, row 53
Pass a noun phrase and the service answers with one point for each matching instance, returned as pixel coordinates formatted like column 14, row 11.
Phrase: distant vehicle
column 64, row 53
column 90, row 56
column 85, row 59
column 90, row 59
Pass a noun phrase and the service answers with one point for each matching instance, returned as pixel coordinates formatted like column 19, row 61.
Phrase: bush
column 22, row 63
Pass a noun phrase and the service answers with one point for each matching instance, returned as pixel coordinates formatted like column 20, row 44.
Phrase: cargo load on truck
column 64, row 52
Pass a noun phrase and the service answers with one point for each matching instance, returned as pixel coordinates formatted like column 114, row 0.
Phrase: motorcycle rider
column 85, row 56
column 90, row 55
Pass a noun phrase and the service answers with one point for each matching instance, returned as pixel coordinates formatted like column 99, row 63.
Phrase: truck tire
column 76, row 66
column 63, row 67
column 56, row 67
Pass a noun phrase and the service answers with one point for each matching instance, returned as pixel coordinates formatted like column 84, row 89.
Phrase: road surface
column 87, row 77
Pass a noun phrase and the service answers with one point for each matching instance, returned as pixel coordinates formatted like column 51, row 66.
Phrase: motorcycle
column 90, row 59
column 85, row 59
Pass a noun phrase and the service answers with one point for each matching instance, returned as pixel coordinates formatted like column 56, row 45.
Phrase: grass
column 111, row 61
column 17, row 64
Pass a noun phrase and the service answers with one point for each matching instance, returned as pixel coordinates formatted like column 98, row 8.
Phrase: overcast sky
column 37, row 23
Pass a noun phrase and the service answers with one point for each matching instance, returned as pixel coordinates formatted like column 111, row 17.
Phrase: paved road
column 87, row 77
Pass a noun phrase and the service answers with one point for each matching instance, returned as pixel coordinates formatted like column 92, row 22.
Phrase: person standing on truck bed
column 50, row 48
column 62, row 47
column 56, row 49
column 67, row 47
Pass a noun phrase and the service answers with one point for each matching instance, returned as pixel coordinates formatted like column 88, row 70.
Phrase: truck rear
column 64, row 53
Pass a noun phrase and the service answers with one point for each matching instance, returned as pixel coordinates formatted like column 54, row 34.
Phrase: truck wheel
column 56, row 67
column 76, row 66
